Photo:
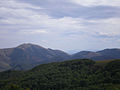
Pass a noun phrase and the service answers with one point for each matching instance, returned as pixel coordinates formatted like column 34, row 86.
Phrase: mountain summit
column 26, row 56
column 28, row 45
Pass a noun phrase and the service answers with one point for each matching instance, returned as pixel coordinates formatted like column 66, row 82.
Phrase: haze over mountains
column 26, row 56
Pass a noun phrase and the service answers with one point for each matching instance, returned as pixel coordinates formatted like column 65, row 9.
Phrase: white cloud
column 97, row 2
column 16, row 5
column 23, row 17
column 106, row 27
column 29, row 32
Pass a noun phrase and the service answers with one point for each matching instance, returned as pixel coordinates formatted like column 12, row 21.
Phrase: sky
column 60, row 24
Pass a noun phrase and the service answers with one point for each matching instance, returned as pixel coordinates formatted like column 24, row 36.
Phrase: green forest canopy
column 68, row 75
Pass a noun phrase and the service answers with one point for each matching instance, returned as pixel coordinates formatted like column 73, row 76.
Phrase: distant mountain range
column 26, row 56
column 105, row 54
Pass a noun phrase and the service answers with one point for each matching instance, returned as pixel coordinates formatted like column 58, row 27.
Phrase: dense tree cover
column 68, row 75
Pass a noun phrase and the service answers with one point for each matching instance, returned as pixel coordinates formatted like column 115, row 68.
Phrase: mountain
column 68, row 75
column 105, row 54
column 85, row 54
column 27, row 56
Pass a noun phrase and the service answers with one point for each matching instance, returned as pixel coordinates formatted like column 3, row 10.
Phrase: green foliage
column 13, row 87
column 68, row 75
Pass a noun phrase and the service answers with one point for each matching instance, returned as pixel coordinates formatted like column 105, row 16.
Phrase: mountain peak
column 28, row 45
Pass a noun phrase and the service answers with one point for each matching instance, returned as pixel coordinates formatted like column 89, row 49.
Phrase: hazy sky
column 60, row 24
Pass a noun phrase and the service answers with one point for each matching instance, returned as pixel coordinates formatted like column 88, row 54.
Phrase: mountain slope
column 105, row 54
column 27, row 56
column 68, row 75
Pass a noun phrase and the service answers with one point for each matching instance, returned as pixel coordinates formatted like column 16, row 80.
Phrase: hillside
column 27, row 56
column 68, row 75
column 106, row 54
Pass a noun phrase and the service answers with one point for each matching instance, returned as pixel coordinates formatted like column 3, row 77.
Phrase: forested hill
column 68, row 75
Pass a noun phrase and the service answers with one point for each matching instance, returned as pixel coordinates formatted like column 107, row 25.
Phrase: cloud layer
column 70, row 24
column 97, row 2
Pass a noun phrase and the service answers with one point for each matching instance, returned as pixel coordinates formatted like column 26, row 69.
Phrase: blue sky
column 60, row 24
